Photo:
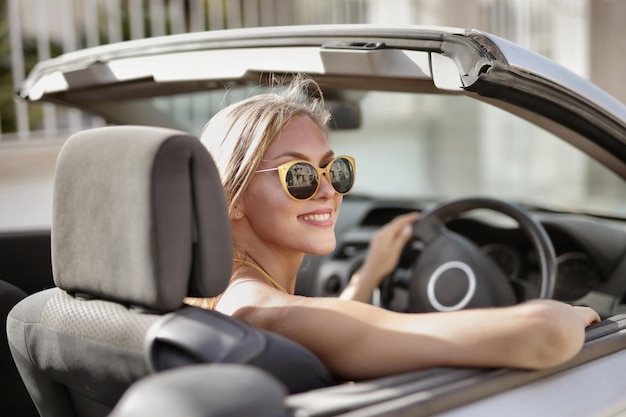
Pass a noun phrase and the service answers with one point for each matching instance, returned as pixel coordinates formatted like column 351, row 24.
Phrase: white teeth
column 317, row 217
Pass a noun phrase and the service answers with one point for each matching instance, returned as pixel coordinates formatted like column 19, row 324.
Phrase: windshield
column 420, row 146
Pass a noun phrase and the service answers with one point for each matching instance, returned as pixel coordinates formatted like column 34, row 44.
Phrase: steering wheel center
column 451, row 286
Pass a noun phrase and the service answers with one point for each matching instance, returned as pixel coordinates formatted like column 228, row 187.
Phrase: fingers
column 386, row 245
column 403, row 230
column 399, row 227
column 587, row 315
column 405, row 219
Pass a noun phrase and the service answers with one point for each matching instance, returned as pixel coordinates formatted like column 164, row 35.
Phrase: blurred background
column 587, row 36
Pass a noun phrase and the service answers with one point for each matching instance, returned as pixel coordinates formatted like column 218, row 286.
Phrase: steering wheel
column 452, row 273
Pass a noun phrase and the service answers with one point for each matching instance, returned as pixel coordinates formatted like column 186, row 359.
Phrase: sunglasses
column 301, row 179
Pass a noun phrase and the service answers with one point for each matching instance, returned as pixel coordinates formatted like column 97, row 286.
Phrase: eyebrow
column 298, row 155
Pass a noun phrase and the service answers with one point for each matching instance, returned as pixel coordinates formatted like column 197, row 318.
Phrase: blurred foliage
column 8, row 117
column 8, row 122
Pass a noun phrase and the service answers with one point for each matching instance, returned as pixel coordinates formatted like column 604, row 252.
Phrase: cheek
column 265, row 203
column 338, row 201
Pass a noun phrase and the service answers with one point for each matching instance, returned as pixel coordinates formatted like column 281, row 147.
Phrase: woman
column 260, row 145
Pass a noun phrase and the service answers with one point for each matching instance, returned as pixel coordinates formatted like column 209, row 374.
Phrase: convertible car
column 516, row 164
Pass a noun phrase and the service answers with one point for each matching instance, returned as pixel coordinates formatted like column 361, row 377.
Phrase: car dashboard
column 590, row 255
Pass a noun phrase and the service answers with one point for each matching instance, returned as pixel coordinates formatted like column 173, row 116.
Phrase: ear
column 238, row 211
column 239, row 207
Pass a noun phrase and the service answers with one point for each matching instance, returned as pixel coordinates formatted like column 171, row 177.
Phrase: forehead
column 300, row 135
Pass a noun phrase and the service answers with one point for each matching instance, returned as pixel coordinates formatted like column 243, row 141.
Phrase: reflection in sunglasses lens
column 341, row 176
column 301, row 180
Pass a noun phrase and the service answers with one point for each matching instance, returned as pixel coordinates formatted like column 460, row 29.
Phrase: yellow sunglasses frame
column 282, row 170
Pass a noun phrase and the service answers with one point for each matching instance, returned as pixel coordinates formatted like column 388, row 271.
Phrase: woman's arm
column 358, row 341
column 382, row 257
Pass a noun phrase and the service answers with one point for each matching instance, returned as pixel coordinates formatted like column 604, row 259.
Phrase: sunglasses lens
column 301, row 180
column 342, row 175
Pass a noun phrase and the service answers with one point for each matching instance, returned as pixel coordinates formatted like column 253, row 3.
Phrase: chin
column 321, row 250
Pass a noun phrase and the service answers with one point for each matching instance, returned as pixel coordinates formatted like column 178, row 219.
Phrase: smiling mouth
column 322, row 217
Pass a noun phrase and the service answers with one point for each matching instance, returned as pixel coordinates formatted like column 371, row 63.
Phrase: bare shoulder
column 245, row 296
column 267, row 307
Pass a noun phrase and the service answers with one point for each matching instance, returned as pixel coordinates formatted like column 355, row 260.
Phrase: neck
column 282, row 271
column 279, row 262
column 262, row 271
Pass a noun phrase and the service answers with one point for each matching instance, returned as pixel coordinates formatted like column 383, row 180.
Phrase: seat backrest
column 139, row 222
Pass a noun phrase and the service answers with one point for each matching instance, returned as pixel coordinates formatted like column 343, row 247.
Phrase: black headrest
column 139, row 217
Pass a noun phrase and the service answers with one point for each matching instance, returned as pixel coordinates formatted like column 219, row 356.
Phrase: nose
column 326, row 190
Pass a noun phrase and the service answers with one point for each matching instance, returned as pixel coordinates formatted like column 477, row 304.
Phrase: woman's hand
column 587, row 315
column 382, row 257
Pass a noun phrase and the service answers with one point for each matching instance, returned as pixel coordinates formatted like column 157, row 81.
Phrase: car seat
column 14, row 399
column 221, row 390
column 139, row 222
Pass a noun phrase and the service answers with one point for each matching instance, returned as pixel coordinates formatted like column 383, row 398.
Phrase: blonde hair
column 238, row 136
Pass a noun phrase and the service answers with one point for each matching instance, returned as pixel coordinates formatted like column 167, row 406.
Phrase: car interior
column 100, row 298
column 83, row 271
column 105, row 306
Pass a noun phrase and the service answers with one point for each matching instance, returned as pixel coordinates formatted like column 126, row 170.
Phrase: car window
column 418, row 146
